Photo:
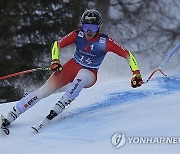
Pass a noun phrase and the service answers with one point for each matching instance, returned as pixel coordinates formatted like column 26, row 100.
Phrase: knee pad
column 84, row 78
column 88, row 76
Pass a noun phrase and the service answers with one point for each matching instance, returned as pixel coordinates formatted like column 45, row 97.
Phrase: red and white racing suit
column 81, row 70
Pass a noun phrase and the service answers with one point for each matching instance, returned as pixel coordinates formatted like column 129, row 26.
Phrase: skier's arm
column 55, row 63
column 113, row 46
column 57, row 45
column 63, row 42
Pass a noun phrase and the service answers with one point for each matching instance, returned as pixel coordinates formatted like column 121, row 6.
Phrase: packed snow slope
column 86, row 127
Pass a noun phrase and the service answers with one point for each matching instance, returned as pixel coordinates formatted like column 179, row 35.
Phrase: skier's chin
column 90, row 35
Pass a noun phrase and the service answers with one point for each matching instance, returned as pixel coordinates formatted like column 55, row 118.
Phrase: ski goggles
column 90, row 27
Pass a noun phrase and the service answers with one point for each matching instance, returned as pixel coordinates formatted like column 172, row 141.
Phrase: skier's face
column 90, row 30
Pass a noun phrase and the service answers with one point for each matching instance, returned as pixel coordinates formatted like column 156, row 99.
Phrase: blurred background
column 149, row 28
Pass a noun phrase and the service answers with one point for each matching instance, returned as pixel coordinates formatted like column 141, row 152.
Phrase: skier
column 80, row 71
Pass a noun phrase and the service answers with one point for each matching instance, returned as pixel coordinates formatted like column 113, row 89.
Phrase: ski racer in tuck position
column 80, row 71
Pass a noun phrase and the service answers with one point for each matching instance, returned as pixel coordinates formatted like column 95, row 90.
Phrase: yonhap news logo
column 119, row 139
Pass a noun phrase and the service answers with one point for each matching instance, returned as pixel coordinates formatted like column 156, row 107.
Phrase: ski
column 38, row 127
column 4, row 128
column 43, row 123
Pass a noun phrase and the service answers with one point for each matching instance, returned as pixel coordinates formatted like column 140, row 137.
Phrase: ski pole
column 24, row 72
column 163, row 63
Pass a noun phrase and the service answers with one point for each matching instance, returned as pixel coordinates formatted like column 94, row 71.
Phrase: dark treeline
column 27, row 29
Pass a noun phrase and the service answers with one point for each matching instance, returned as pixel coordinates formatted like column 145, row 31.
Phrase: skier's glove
column 136, row 80
column 56, row 66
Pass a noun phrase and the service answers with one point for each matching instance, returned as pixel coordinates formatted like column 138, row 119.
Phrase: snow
column 87, row 126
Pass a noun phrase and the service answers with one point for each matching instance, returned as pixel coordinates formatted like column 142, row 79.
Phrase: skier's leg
column 24, row 104
column 84, row 79
column 53, row 83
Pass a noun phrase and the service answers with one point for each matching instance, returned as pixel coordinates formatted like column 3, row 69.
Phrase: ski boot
column 4, row 125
